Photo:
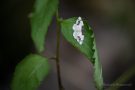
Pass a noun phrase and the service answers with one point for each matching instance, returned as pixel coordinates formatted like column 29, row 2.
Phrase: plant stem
column 123, row 78
column 58, row 52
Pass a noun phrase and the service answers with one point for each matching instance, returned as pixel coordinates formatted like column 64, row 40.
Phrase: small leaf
column 88, row 47
column 30, row 72
column 40, row 20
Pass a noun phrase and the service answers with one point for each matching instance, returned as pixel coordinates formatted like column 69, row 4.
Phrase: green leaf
column 88, row 48
column 98, row 78
column 30, row 72
column 40, row 20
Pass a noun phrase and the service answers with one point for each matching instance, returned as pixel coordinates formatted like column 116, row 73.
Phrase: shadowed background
column 113, row 22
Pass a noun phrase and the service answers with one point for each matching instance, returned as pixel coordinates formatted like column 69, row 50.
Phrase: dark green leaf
column 30, row 72
column 40, row 20
column 88, row 48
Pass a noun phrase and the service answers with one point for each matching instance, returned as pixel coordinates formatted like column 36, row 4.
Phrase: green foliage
column 40, row 20
column 88, row 48
column 32, row 69
column 30, row 72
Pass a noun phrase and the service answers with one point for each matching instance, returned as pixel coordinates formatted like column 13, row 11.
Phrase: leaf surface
column 40, row 20
column 30, row 72
column 88, row 47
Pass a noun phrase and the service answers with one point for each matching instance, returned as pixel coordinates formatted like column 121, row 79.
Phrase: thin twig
column 58, row 53
column 123, row 78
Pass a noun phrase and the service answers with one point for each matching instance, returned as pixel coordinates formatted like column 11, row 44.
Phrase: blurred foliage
column 40, row 20
column 15, row 30
column 30, row 72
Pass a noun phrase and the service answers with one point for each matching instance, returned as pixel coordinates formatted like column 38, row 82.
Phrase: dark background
column 113, row 22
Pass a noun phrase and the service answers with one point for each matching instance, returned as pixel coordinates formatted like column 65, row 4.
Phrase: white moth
column 77, row 28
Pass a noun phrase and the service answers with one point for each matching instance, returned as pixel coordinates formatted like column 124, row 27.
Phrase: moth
column 77, row 31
